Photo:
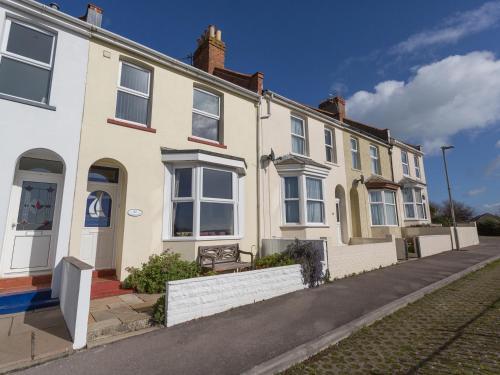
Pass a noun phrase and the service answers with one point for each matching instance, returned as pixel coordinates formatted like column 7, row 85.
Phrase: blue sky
column 428, row 70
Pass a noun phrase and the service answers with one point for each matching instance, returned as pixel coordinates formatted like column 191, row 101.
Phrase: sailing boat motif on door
column 98, row 209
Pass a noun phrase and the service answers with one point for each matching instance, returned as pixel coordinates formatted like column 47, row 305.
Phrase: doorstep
column 116, row 317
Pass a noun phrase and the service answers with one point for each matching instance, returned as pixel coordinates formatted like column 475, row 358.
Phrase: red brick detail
column 210, row 54
column 335, row 105
column 205, row 142
column 253, row 82
column 127, row 124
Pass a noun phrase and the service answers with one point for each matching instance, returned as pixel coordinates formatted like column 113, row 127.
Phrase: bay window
column 133, row 97
column 404, row 163
column 298, row 135
column 206, row 115
column 204, row 202
column 414, row 204
column 26, row 62
column 383, row 207
column 303, row 201
column 292, row 200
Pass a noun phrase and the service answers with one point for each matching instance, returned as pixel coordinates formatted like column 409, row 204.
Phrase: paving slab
column 102, row 315
column 131, row 299
column 16, row 349
column 5, row 326
column 51, row 341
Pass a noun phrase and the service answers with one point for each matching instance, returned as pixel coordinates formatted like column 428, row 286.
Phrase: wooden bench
column 223, row 258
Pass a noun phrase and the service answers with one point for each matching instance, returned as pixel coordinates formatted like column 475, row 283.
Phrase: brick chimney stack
column 335, row 105
column 211, row 50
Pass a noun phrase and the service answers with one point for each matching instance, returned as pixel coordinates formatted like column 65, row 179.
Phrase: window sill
column 130, row 125
column 332, row 163
column 384, row 226
column 27, row 102
column 302, row 226
column 207, row 142
column 207, row 238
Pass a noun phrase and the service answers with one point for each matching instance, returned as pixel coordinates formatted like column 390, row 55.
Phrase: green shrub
column 274, row 260
column 159, row 269
column 159, row 310
column 303, row 252
column 488, row 228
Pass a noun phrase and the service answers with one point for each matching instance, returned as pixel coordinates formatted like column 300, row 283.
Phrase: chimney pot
column 93, row 15
column 211, row 50
column 219, row 35
column 54, row 6
column 211, row 30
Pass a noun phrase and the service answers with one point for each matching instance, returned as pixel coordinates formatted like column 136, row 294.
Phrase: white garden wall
column 434, row 244
column 76, row 280
column 347, row 260
column 467, row 236
column 203, row 296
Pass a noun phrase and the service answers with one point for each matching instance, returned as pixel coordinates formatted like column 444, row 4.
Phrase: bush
column 159, row 311
column 274, row 260
column 488, row 228
column 159, row 269
column 309, row 258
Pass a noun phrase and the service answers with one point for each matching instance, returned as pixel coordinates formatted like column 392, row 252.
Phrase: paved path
column 455, row 330
column 237, row 340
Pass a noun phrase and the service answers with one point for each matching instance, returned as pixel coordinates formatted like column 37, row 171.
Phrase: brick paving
column 455, row 330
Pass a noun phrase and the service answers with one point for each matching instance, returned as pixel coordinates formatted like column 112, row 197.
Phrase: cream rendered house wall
column 138, row 152
column 398, row 175
column 361, row 223
column 276, row 135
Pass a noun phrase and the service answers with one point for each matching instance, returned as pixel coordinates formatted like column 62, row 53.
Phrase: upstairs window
column 375, row 160
column 133, row 94
column 404, row 163
column 355, row 157
column 417, row 166
column 298, row 136
column 26, row 62
column 206, row 115
column 331, row 154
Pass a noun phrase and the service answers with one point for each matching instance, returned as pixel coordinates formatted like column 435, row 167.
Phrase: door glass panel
column 103, row 174
column 98, row 211
column 36, row 208
column 40, row 165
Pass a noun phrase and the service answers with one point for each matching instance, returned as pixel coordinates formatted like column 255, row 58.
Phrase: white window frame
column 384, row 204
column 405, row 165
column 27, row 60
column 303, row 222
column 415, row 204
column 209, row 115
column 135, row 92
column 303, row 137
column 197, row 198
column 416, row 160
column 355, row 160
column 331, row 147
column 285, row 199
column 376, row 160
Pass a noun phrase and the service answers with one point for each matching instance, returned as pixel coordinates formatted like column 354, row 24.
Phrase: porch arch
column 341, row 196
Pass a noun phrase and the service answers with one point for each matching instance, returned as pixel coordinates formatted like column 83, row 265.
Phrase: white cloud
column 474, row 192
column 455, row 94
column 454, row 28
column 493, row 169
column 497, row 145
column 492, row 205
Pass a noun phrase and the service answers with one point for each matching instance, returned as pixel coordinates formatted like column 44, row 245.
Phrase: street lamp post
column 452, row 208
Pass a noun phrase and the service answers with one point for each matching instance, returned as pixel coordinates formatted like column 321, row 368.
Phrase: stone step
column 118, row 326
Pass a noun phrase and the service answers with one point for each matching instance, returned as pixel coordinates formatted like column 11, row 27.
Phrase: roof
column 379, row 133
column 247, row 81
column 408, row 181
column 296, row 159
column 379, row 182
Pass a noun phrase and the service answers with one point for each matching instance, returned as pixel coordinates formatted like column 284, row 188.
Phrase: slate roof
column 296, row 159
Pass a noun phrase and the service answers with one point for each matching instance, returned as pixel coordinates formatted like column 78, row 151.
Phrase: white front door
column 98, row 234
column 339, row 222
column 33, row 222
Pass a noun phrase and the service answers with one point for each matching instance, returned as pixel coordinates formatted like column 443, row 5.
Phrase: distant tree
column 441, row 213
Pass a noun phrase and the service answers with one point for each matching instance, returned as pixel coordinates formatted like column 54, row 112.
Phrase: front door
column 32, row 226
column 339, row 222
column 98, row 234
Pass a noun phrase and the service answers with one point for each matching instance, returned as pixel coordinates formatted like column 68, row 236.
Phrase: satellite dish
column 272, row 156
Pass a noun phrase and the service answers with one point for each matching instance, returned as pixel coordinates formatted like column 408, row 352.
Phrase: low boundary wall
column 75, row 298
column 347, row 260
column 434, row 244
column 203, row 296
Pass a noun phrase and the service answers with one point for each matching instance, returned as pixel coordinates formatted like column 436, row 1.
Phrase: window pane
column 36, row 207
column 407, row 195
column 409, row 211
column 298, row 145
column 328, row 137
column 98, row 212
column 292, row 212
column 291, row 187
column 40, row 165
column 356, row 164
column 377, row 211
column 205, row 102
column 375, row 196
column 132, row 107
column 297, row 126
column 406, row 170
column 375, row 169
column 418, row 195
column 30, row 43
column 389, row 197
column 354, row 144
column 217, row 184
column 373, row 152
column 314, row 212
column 205, row 127
column 329, row 154
column 420, row 211
column 404, row 157
column 103, row 174
column 390, row 213
column 314, row 188
column 24, row 80
column 183, row 182
column 183, row 219
column 134, row 78
column 216, row 219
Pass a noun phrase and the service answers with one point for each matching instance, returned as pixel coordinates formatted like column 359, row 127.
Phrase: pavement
column 240, row 339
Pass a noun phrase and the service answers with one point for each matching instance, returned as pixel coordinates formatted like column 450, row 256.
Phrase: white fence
column 75, row 298
column 203, row 296
column 347, row 260
column 434, row 244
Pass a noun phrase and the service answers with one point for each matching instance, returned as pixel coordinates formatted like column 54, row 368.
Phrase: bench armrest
column 212, row 257
column 247, row 253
